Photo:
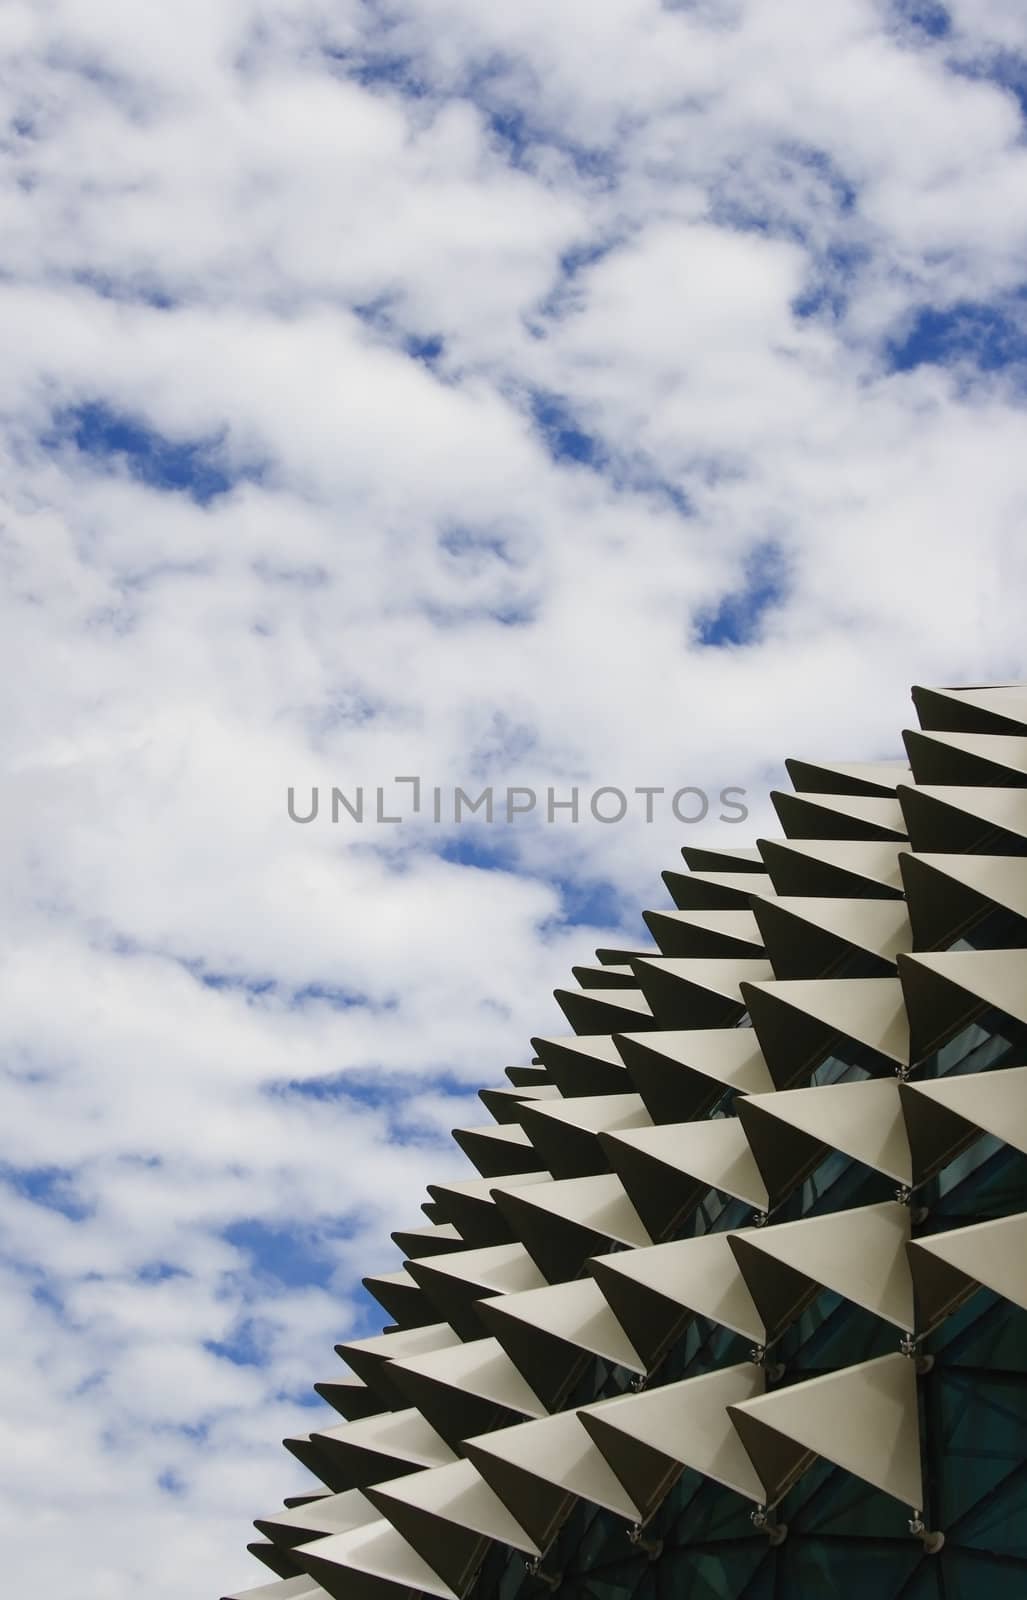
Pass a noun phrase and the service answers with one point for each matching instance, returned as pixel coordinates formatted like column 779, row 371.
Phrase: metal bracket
column 773, row 1370
column 652, row 1547
column 917, row 1214
column 932, row 1541
column 909, row 1347
column 776, row 1532
column 551, row 1580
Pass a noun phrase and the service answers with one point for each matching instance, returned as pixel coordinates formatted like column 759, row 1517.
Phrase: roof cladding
column 737, row 1304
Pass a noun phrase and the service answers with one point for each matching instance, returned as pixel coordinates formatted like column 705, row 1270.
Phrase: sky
column 602, row 395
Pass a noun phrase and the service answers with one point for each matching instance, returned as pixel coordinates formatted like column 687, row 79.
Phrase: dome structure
column 737, row 1304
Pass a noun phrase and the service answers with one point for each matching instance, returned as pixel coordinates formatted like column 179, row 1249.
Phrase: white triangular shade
column 961, row 707
column 599, row 1204
column 303, row 1588
column 999, row 879
column 400, row 1435
column 989, row 1102
column 941, row 816
column 948, row 1267
column 880, row 927
column 796, row 866
column 480, row 1368
column 860, row 1254
column 863, row 1419
column 717, row 976
column 729, row 1055
column 863, row 1120
column 330, row 1513
column 537, row 1468
column 700, row 1275
column 716, row 1154
column 649, row 1439
column 837, row 812
column 869, row 1011
column 576, row 1312
column 359, row 1564
column 456, row 1496
column 939, row 756
column 974, row 979
column 847, row 777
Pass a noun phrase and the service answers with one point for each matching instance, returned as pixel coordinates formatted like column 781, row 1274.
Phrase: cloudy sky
column 604, row 393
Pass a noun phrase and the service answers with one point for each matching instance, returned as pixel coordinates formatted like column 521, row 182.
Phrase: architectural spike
column 667, row 1171
column 649, row 1439
column 832, row 816
column 949, row 1267
column 682, row 1073
column 655, row 1293
column 863, row 1419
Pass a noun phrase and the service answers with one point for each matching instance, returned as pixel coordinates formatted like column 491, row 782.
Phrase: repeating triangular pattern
column 737, row 1303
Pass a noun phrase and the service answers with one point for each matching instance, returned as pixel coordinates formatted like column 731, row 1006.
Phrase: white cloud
column 400, row 281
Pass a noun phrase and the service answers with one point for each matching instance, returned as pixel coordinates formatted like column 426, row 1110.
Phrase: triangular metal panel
column 469, row 1205
column 607, row 975
column 807, row 815
column 497, row 1150
column 998, row 759
column 278, row 1560
column 372, row 1563
column 360, row 1453
column 948, row 1267
column 565, row 1132
column 468, row 1389
column 834, row 867
column 847, row 777
column 667, row 1171
column 945, row 1115
column 438, row 1239
column 791, row 1131
column 705, row 934
column 697, row 993
column 715, row 891
column 799, row 1023
column 333, row 1513
column 949, row 895
column 564, row 1223
column 967, row 819
column 454, row 1283
column 863, row 1419
column 450, row 1516
column 813, row 936
column 604, row 1010
column 399, row 1295
column 552, row 1334
column 860, row 1254
column 682, row 1073
column 649, row 1439
column 585, row 1065
column 945, row 992
column 303, row 1588
column 351, row 1398
column 702, row 858
column 539, row 1470
column 655, row 1293
column 503, row 1103
column 992, row 708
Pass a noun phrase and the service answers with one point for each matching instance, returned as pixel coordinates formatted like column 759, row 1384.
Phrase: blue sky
column 628, row 394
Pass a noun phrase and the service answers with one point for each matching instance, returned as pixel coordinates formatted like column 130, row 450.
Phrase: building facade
column 737, row 1303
